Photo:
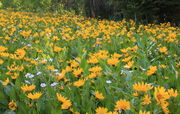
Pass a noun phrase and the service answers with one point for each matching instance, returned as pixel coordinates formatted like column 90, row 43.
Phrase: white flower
column 29, row 75
column 55, row 70
column 29, row 45
column 54, row 84
column 43, row 85
column 57, row 73
column 38, row 73
column 50, row 59
column 26, row 81
column 108, row 81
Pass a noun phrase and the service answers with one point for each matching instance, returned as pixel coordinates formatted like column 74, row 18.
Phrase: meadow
column 64, row 64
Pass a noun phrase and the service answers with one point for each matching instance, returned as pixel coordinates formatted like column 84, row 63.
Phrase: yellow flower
column 77, row 72
column 135, row 94
column 162, row 66
column 99, row 95
column 146, row 100
column 12, row 105
column 6, row 82
column 116, row 55
column 79, row 83
column 113, row 112
column 92, row 75
column 122, row 104
column 127, row 59
column 61, row 75
column 163, row 50
column 20, row 53
column 68, row 68
column 102, row 54
column 161, row 95
column 172, row 92
column 25, row 33
column 2, row 48
column 92, row 60
column 95, row 69
column 142, row 87
column 141, row 112
column 129, row 64
column 152, row 70
column 28, row 88
column 66, row 104
column 164, row 107
column 113, row 61
column 60, row 97
column 34, row 96
column 57, row 49
column 101, row 110
column 1, row 61
column 74, row 63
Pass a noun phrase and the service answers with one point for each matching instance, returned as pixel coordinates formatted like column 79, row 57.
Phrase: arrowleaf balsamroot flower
column 12, row 105
column 20, row 53
column 99, row 95
column 95, row 69
column 28, row 88
column 79, row 83
column 34, row 96
column 146, row 100
column 65, row 102
column 163, row 50
column 142, row 87
column 6, row 82
column 57, row 49
column 172, row 92
column 122, row 104
column 113, row 61
column 161, row 95
column 101, row 110
column 145, row 112
column 60, row 97
column 152, row 70
column 77, row 72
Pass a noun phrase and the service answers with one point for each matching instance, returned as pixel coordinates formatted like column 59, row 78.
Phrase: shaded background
column 143, row 11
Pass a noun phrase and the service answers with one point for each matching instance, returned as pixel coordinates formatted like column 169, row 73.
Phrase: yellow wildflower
column 77, row 72
column 152, row 70
column 101, row 110
column 146, row 100
column 57, row 49
column 34, row 96
column 95, row 69
column 122, row 104
column 163, row 50
column 66, row 104
column 12, row 105
column 20, row 53
column 161, row 95
column 172, row 92
column 99, row 95
column 142, row 87
column 28, row 88
column 113, row 61
column 141, row 112
column 79, row 83
column 6, row 82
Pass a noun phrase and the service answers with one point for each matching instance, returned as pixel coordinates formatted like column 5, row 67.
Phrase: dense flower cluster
column 70, row 64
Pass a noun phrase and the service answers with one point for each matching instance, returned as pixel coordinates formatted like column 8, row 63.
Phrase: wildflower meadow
column 69, row 64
